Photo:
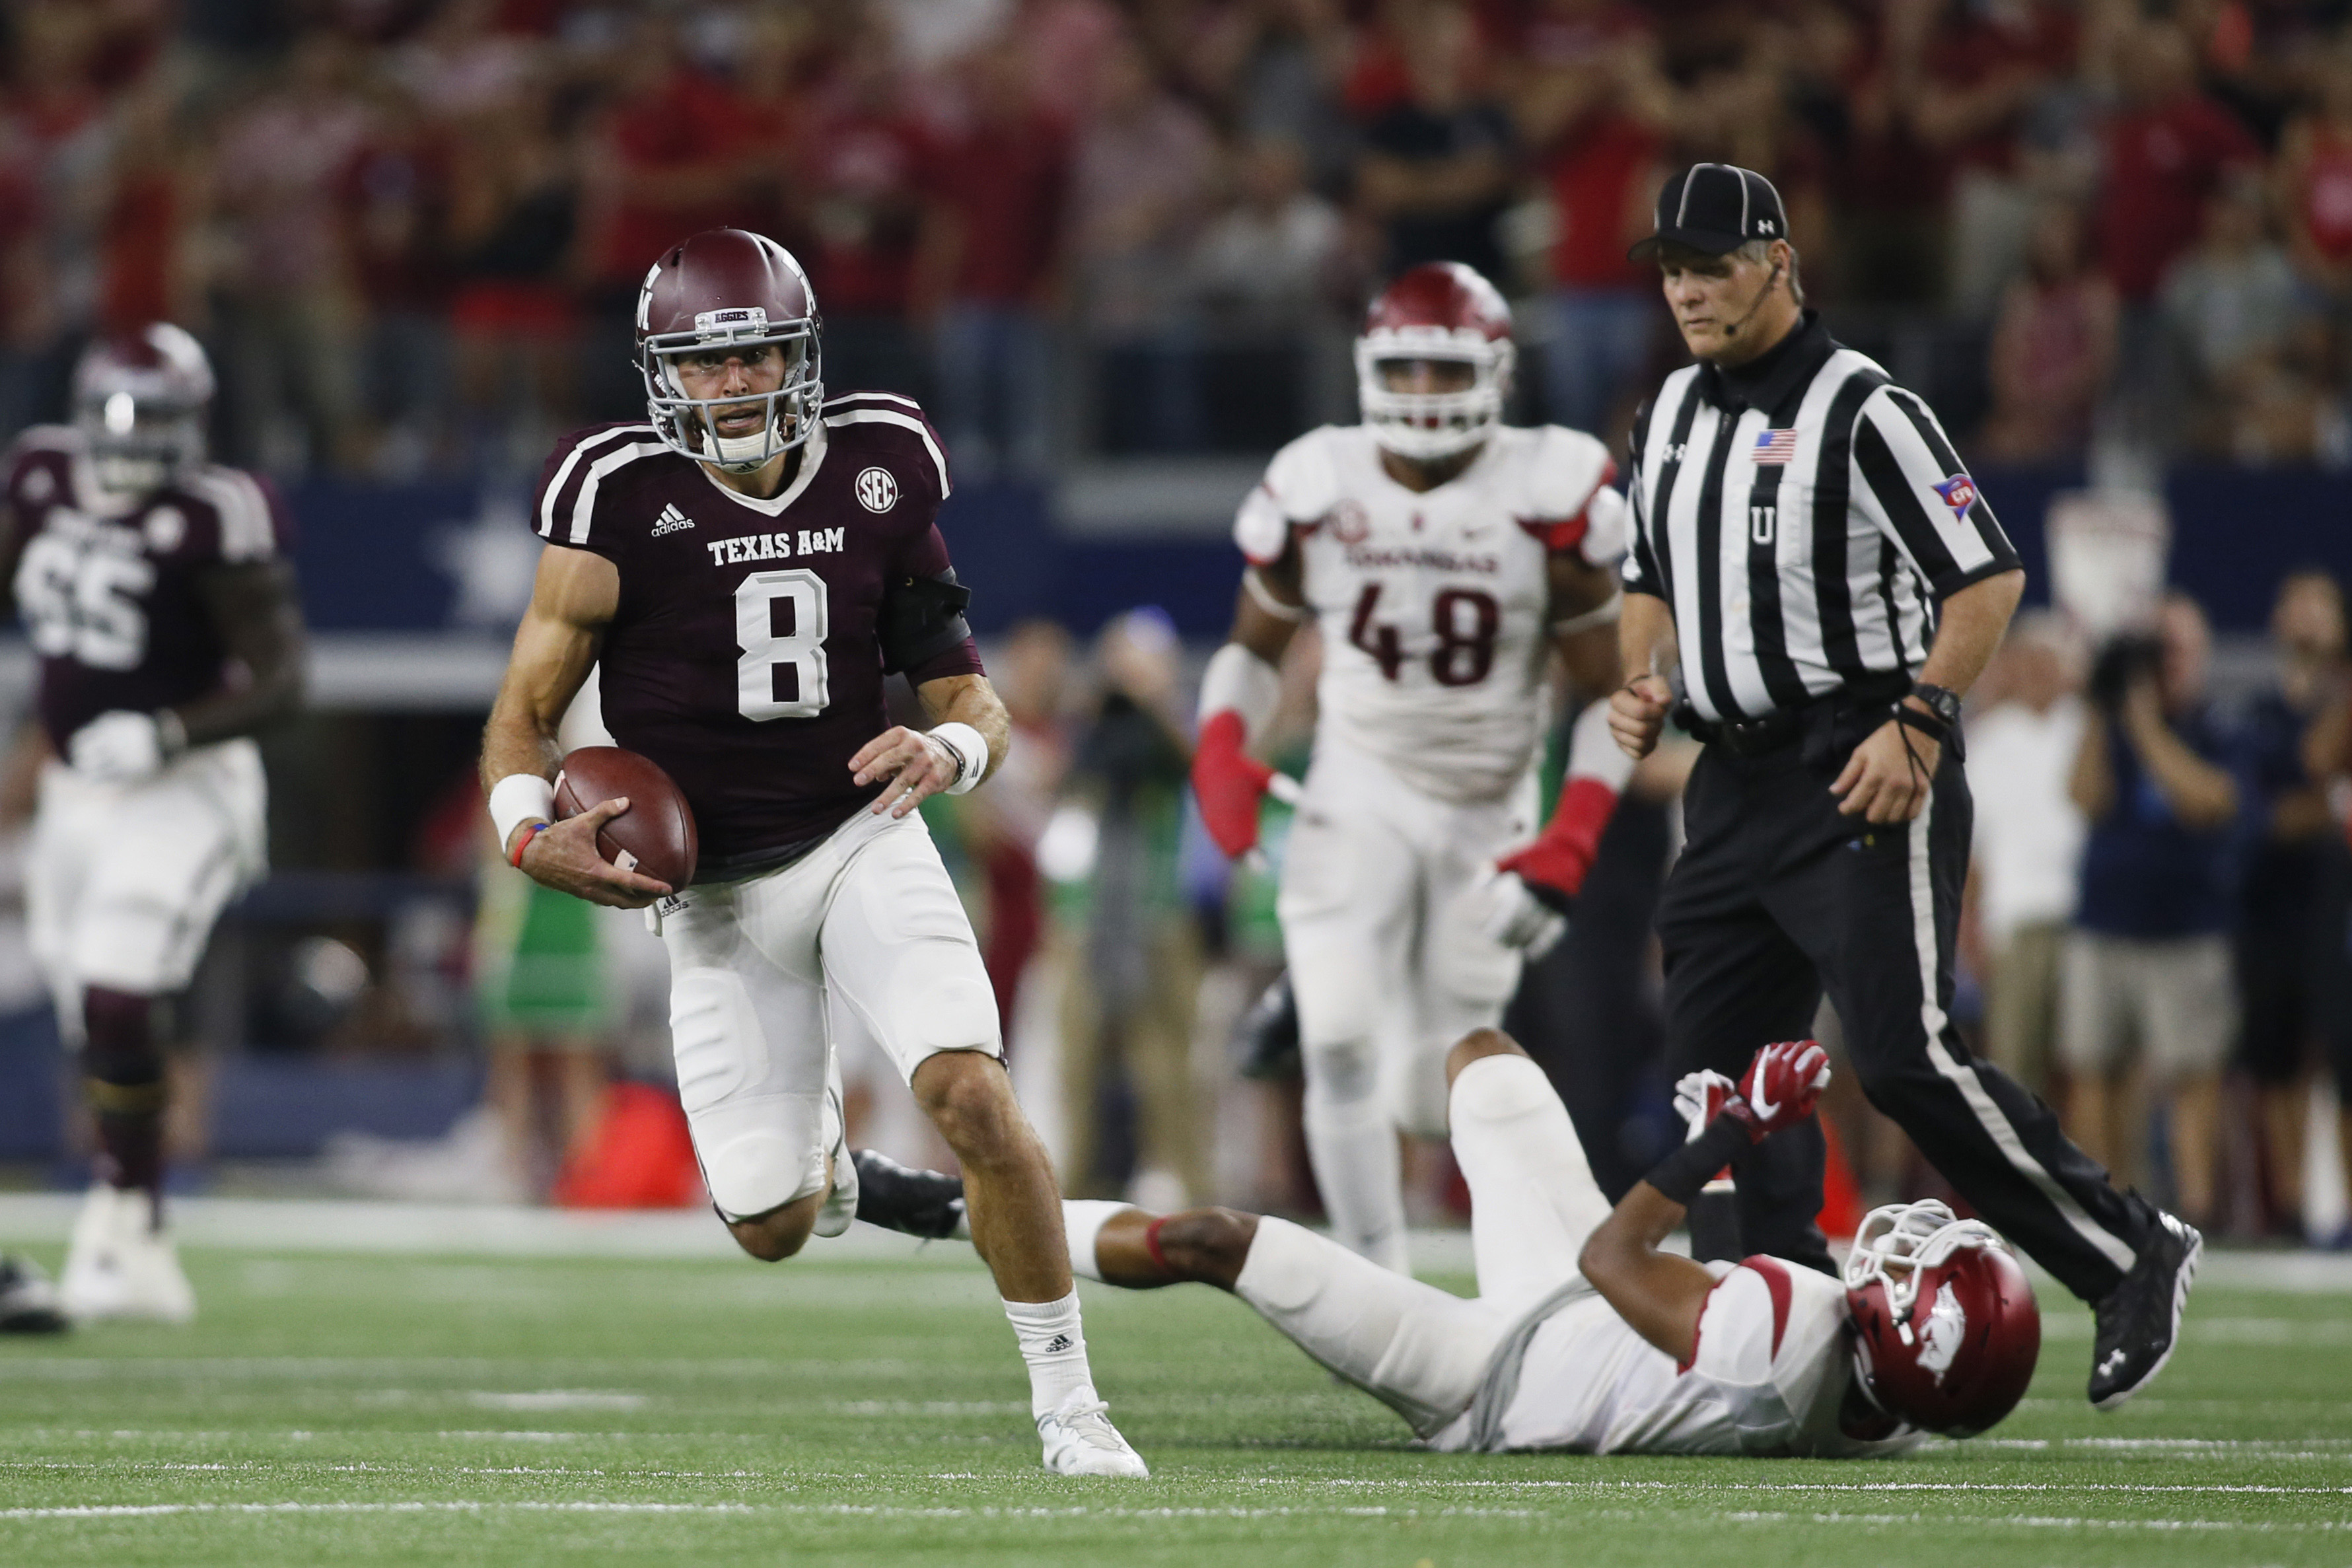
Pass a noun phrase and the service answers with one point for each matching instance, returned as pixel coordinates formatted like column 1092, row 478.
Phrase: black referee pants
column 1777, row 896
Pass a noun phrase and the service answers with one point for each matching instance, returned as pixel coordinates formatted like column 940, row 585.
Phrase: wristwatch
column 1943, row 704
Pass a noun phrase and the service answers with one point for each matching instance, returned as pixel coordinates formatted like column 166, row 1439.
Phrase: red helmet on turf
column 140, row 400
column 1439, row 311
column 727, row 288
column 1947, row 1333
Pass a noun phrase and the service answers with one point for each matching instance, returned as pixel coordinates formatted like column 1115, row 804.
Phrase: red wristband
column 523, row 843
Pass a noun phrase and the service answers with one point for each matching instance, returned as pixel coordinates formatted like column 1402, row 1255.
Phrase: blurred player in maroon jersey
column 156, row 593
column 747, row 566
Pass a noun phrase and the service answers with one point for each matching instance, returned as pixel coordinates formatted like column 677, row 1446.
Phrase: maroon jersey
column 106, row 583
column 743, row 655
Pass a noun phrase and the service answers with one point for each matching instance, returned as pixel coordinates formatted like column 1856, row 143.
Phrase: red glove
column 1229, row 784
column 1558, row 858
column 1782, row 1087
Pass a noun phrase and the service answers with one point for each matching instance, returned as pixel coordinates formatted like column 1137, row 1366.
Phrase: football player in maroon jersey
column 747, row 566
column 155, row 591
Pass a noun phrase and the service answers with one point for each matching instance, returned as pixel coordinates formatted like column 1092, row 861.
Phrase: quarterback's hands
column 1888, row 777
column 1508, row 912
column 564, row 856
column 917, row 766
column 1782, row 1085
column 1637, row 713
column 1229, row 783
column 119, row 747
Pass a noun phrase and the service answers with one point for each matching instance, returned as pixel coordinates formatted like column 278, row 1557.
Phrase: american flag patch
column 1775, row 447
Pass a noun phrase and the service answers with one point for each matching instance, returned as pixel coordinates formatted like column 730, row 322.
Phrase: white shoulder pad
column 1569, row 466
column 1608, row 528
column 1299, row 487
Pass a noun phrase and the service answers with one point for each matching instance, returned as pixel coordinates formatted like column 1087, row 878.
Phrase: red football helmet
column 727, row 288
column 139, row 401
column 1947, row 1333
column 1439, row 311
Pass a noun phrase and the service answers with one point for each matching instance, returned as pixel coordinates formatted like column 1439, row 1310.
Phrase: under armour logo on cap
column 1714, row 208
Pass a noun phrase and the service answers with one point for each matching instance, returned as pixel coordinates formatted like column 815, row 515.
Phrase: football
column 655, row 836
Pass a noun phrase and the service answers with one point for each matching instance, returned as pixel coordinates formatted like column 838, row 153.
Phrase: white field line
column 1087, row 1514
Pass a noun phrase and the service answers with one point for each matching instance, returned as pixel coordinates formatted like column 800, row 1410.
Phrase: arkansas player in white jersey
column 1444, row 556
column 154, row 589
column 1585, row 1336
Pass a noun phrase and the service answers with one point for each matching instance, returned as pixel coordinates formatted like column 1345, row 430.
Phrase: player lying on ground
column 154, row 589
column 1584, row 1335
column 1445, row 557
column 744, row 568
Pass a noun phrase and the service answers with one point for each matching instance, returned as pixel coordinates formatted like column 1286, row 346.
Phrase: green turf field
column 378, row 1410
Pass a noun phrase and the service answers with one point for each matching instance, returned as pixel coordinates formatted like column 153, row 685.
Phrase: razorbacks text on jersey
column 1433, row 603
column 743, row 656
column 1770, row 1378
column 106, row 583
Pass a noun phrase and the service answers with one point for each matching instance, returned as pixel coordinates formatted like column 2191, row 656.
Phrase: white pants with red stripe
column 1420, row 1350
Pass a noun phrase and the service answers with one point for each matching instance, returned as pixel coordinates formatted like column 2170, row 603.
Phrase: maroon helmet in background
column 1947, row 1331
column 1438, row 311
column 140, row 400
column 729, row 288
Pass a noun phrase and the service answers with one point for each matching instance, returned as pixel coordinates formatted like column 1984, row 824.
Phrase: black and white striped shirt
column 1802, row 518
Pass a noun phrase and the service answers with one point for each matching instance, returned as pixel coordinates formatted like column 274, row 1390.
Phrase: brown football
column 654, row 837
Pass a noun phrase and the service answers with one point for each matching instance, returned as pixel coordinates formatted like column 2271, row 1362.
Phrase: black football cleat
column 928, row 1203
column 2139, row 1323
column 1266, row 1042
column 28, row 1302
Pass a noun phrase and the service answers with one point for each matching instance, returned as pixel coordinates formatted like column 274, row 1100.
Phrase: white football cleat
column 840, row 1207
column 1081, row 1441
column 122, row 1265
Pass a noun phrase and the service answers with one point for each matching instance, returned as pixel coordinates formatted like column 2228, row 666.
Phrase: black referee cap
column 1714, row 208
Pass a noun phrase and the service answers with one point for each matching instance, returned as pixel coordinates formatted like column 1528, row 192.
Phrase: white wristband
column 1599, row 616
column 519, row 798
column 970, row 752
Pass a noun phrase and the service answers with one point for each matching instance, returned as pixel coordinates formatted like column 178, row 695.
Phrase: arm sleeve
column 1911, row 486
column 937, row 640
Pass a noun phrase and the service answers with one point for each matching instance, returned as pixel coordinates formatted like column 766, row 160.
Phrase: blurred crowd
column 413, row 229
column 2158, row 917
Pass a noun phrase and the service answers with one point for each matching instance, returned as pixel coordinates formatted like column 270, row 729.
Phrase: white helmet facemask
column 1433, row 424
column 1895, row 1242
column 691, row 425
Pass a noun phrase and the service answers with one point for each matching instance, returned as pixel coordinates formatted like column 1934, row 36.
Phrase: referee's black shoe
column 1266, row 1042
column 928, row 1203
column 2139, row 1323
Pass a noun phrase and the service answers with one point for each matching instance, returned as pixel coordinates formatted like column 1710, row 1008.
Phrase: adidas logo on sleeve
column 670, row 521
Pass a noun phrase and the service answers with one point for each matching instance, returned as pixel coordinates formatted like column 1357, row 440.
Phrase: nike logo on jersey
column 670, row 521
column 775, row 546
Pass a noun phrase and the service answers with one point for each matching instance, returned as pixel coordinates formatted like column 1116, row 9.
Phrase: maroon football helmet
column 727, row 288
column 140, row 400
column 1947, row 1333
column 1439, row 311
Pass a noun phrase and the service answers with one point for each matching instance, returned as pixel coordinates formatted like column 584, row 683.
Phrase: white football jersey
column 1432, row 605
column 1769, row 1377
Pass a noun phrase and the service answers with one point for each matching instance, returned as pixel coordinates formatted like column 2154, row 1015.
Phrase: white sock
column 1082, row 1221
column 1352, row 1141
column 1055, row 1346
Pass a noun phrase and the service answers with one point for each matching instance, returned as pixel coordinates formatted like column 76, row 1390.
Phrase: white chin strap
column 742, row 454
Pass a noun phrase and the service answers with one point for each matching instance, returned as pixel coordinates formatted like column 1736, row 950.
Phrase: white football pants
column 1417, row 1349
column 862, row 938
column 1386, row 970
column 124, row 882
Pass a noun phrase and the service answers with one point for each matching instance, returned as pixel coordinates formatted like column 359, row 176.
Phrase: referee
column 1814, row 570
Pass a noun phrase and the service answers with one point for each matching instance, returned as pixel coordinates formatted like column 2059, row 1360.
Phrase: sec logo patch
column 878, row 490
column 1349, row 524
